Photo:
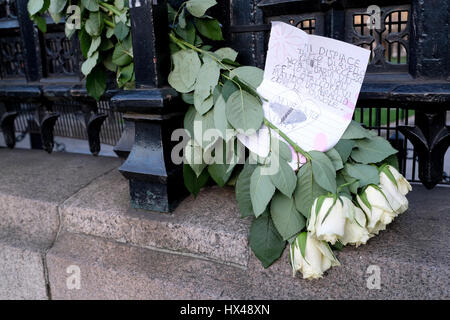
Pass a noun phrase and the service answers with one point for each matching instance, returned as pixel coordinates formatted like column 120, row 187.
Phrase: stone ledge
column 32, row 186
column 110, row 270
column 209, row 226
column 113, row 243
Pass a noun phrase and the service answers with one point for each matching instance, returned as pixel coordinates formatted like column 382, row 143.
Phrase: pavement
column 67, row 232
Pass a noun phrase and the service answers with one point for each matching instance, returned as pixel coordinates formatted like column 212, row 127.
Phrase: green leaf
column 188, row 33
column 193, row 155
column 228, row 89
column 353, row 187
column 220, row 117
column 57, row 6
column 125, row 75
column 94, row 25
column 344, row 148
column 209, row 28
column 364, row 173
column 121, row 31
column 85, row 42
column 392, row 161
column 285, row 179
column 286, row 218
column 204, row 122
column 251, row 76
column 341, row 184
column 186, row 68
column 192, row 182
column 198, row 8
column 261, row 190
column 243, row 191
column 283, row 151
column 34, row 6
column 89, row 64
column 106, row 45
column 356, row 131
column 307, row 190
column 122, row 55
column 182, row 19
column 302, row 238
column 41, row 23
column 265, row 241
column 220, row 173
column 108, row 64
column 207, row 80
column 189, row 119
column 120, row 4
column 95, row 44
column 323, row 170
column 226, row 53
column 91, row 5
column 55, row 9
column 372, row 150
column 96, row 83
column 188, row 98
column 244, row 112
column 335, row 159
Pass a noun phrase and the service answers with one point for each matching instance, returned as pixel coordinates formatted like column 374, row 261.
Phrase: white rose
column 379, row 212
column 391, row 189
column 355, row 231
column 318, row 257
column 398, row 201
column 328, row 224
column 402, row 184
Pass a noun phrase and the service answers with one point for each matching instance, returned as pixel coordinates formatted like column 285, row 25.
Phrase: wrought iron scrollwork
column 7, row 125
column 389, row 43
column 46, row 121
column 431, row 139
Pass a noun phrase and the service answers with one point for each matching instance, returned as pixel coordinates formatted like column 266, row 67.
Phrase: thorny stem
column 269, row 124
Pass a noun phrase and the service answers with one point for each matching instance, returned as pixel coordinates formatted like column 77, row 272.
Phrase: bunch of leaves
column 221, row 95
column 103, row 29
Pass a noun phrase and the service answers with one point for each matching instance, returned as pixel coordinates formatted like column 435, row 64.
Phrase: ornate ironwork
column 312, row 23
column 389, row 44
column 61, row 55
column 12, row 63
column 8, row 9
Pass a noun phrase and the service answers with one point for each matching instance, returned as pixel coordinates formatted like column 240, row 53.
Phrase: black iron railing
column 405, row 96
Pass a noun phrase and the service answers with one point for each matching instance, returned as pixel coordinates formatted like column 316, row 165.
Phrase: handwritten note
column 311, row 86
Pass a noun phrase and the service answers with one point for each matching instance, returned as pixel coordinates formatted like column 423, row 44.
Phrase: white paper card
column 311, row 85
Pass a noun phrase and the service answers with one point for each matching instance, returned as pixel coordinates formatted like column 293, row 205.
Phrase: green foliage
column 261, row 190
column 307, row 190
column 324, row 171
column 243, row 196
column 364, row 173
column 222, row 95
column 372, row 150
column 265, row 241
column 104, row 34
column 285, row 216
column 192, row 182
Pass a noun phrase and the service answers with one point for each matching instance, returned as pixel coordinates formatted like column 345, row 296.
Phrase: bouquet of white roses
column 343, row 196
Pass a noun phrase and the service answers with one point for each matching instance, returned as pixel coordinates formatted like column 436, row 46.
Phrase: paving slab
column 111, row 270
column 33, row 184
column 412, row 258
column 22, row 267
column 208, row 226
